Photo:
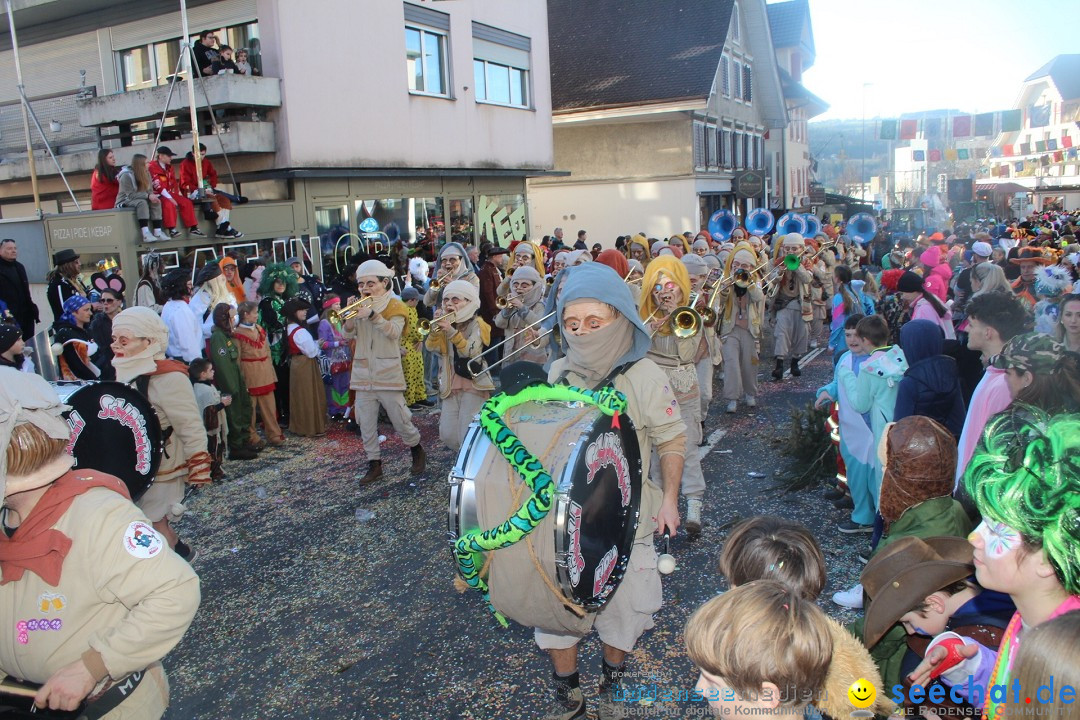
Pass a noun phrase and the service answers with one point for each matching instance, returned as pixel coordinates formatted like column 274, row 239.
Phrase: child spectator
column 135, row 190
column 173, row 202
column 412, row 359
column 772, row 548
column 1025, row 483
column 923, row 586
column 857, row 446
column 103, row 182
column 217, row 205
column 224, row 64
column 1049, row 654
column 11, row 349
column 336, row 348
column 458, row 337
column 243, row 64
column 924, row 304
column 212, row 405
column 891, row 306
column 844, row 303
column 931, row 384
column 759, row 648
column 307, row 395
column 225, row 356
column 258, row 371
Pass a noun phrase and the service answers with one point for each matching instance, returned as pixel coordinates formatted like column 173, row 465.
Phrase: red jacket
column 188, row 180
column 163, row 179
column 103, row 192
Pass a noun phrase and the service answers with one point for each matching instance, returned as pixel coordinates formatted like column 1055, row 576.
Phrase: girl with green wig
column 278, row 284
column 1025, row 481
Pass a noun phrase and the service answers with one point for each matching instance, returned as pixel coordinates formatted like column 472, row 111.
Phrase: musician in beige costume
column 91, row 601
column 377, row 374
column 740, row 310
column 792, row 308
column 602, row 334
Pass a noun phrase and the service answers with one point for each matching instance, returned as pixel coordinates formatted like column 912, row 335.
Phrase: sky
column 970, row 55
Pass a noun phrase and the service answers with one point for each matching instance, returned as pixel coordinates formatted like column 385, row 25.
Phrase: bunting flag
column 961, row 126
column 887, row 130
column 1058, row 156
column 1025, row 148
column 1044, row 160
column 1051, row 144
column 1003, row 170
column 935, row 156
column 918, row 155
column 908, row 129
column 932, row 128
column 950, row 155
column 1066, row 141
column 1011, row 120
column 962, row 154
column 1019, row 167
column 1072, row 153
column 1040, row 146
column 1008, row 150
column 1038, row 115
column 984, row 124
column 995, row 152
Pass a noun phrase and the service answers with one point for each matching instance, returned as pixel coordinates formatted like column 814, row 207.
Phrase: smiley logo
column 862, row 693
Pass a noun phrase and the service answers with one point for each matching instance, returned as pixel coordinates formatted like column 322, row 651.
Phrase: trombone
column 440, row 280
column 349, row 311
column 685, row 321
column 505, row 340
column 425, row 327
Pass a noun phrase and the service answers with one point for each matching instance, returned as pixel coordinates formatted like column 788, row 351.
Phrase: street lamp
column 862, row 171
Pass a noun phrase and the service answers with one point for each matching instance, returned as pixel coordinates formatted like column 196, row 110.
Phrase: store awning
column 1003, row 188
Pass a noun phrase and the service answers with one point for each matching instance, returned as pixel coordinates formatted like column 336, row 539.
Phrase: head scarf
column 657, row 247
column 700, row 244
column 680, row 242
column 537, row 255
column 595, row 355
column 536, row 292
column 614, row 260
column 374, row 268
column 563, row 256
column 452, row 248
column 712, row 262
column 464, row 289
column 695, row 264
column 676, row 272
column 144, row 323
column 634, row 266
column 71, row 306
column 641, row 242
column 578, row 257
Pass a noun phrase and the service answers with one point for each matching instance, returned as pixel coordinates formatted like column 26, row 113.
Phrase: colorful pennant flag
column 1072, row 153
column 961, row 126
column 1058, row 156
column 908, row 129
column 918, row 155
column 984, row 124
column 995, row 152
column 1040, row 146
column 950, row 155
column 1011, row 120
column 1066, row 141
column 1044, row 160
column 1051, row 144
column 932, row 128
column 1008, row 150
column 1025, row 148
column 935, row 155
column 1038, row 115
column 1019, row 167
column 887, row 130
column 962, row 154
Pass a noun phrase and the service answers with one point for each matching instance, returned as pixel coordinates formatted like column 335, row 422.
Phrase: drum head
column 600, row 495
column 114, row 429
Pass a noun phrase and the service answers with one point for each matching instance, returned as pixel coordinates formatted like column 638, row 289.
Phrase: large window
column 425, row 54
column 151, row 65
column 501, row 66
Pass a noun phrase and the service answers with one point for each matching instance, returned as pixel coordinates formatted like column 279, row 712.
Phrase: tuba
column 791, row 223
column 721, row 224
column 759, row 222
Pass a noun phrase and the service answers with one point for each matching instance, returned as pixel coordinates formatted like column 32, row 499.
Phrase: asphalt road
column 309, row 612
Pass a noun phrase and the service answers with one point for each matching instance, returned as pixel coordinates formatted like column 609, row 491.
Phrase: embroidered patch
column 669, row 411
column 142, row 541
column 25, row 627
column 51, row 601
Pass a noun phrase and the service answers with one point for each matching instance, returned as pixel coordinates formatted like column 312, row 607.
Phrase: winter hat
column 909, row 282
column 931, row 258
column 982, row 249
column 920, row 464
column 9, row 335
column 375, row 268
column 695, row 265
column 410, row 293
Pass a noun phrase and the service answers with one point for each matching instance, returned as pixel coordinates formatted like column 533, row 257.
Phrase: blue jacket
column 931, row 384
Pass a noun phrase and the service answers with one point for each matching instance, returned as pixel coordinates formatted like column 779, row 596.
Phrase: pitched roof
column 608, row 53
column 1064, row 70
column 786, row 22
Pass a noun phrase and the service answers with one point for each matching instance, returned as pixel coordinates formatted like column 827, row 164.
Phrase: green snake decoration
column 470, row 547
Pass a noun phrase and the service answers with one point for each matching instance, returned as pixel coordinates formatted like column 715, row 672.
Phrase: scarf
column 536, row 293
column 35, row 545
column 71, row 306
column 593, row 356
column 145, row 323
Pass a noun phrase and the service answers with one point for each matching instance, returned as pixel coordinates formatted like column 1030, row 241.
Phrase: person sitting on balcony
column 103, row 182
column 224, row 65
column 135, row 190
column 204, row 53
column 217, row 205
column 172, row 200
column 243, row 64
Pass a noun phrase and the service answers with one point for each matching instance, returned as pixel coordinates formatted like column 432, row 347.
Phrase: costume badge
column 142, row 541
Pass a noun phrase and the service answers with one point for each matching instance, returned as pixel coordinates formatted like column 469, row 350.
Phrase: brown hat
column 905, row 572
column 920, row 464
column 1030, row 254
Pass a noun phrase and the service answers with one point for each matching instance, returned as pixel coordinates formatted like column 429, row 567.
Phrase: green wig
column 275, row 272
column 1026, row 473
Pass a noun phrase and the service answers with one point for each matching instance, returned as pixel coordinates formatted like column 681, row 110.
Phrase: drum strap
column 609, row 380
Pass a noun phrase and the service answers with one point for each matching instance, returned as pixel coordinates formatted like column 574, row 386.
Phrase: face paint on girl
column 998, row 539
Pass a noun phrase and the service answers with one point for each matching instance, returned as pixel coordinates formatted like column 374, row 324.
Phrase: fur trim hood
column 850, row 661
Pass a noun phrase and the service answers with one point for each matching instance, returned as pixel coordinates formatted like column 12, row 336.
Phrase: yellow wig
column 673, row 269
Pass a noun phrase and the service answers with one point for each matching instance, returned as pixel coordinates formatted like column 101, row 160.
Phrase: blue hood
column 596, row 281
column 921, row 339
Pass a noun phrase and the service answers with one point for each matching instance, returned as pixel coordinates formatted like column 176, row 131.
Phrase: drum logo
column 603, row 572
column 576, row 564
column 607, row 450
column 114, row 408
column 75, row 420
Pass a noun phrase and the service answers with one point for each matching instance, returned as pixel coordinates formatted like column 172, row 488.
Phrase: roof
column 786, row 22
column 1064, row 70
column 797, row 91
column 607, row 53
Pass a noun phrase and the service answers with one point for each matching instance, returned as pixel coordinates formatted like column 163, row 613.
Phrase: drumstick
column 7, row 687
column 666, row 562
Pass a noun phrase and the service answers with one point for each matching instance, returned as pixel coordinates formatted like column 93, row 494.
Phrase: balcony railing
column 58, row 115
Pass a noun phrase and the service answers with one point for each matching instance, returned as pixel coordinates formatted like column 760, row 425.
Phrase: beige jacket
column 468, row 341
column 124, row 599
column 173, row 399
column 377, row 356
column 655, row 413
column 512, row 321
column 756, row 306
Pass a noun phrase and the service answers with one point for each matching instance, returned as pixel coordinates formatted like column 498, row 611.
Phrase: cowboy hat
column 904, row 573
column 1030, row 255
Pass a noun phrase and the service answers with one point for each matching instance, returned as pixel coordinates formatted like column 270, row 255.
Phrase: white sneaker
column 693, row 517
column 850, row 598
column 147, row 236
column 160, row 234
column 813, row 344
column 732, row 406
column 750, row 401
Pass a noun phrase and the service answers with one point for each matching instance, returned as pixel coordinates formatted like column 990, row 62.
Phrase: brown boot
column 374, row 472
column 419, row 460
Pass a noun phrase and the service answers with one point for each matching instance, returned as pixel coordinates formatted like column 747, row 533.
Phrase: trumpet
column 425, row 327
column 475, row 365
column 440, row 280
column 349, row 311
column 504, row 302
column 635, row 281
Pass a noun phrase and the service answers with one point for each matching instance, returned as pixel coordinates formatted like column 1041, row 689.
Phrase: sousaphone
column 760, row 222
column 791, row 222
column 721, row 224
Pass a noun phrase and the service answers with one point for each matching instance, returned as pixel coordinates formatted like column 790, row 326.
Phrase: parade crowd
column 954, row 400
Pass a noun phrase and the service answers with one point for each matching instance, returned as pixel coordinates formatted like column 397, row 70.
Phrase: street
column 309, row 612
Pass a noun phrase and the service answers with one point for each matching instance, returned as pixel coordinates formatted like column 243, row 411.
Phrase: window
column 735, row 22
column 699, row 144
column 725, row 79
column 737, row 81
column 501, row 63
column 746, row 85
column 425, row 55
column 151, row 65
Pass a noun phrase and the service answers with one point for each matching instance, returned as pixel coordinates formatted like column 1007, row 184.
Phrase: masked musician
column 606, row 342
column 559, row 262
column 377, row 375
column 667, row 287
column 698, row 270
column 701, row 245
column 91, row 599
column 457, row 336
column 524, row 308
column 525, row 255
column 740, row 310
column 638, row 249
column 791, row 305
column 139, row 339
column 452, row 264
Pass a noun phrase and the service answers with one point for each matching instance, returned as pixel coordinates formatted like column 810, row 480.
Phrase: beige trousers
column 367, row 416
column 740, row 364
column 791, row 335
column 265, row 406
column 457, row 413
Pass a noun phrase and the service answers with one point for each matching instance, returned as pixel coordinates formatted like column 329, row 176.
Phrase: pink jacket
column 991, row 396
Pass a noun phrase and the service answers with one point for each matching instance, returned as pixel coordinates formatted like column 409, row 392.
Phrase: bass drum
column 115, row 430
column 581, row 550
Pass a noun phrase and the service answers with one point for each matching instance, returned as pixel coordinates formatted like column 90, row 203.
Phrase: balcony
column 223, row 91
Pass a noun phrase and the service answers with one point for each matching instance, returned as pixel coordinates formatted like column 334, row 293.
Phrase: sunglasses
column 665, row 287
